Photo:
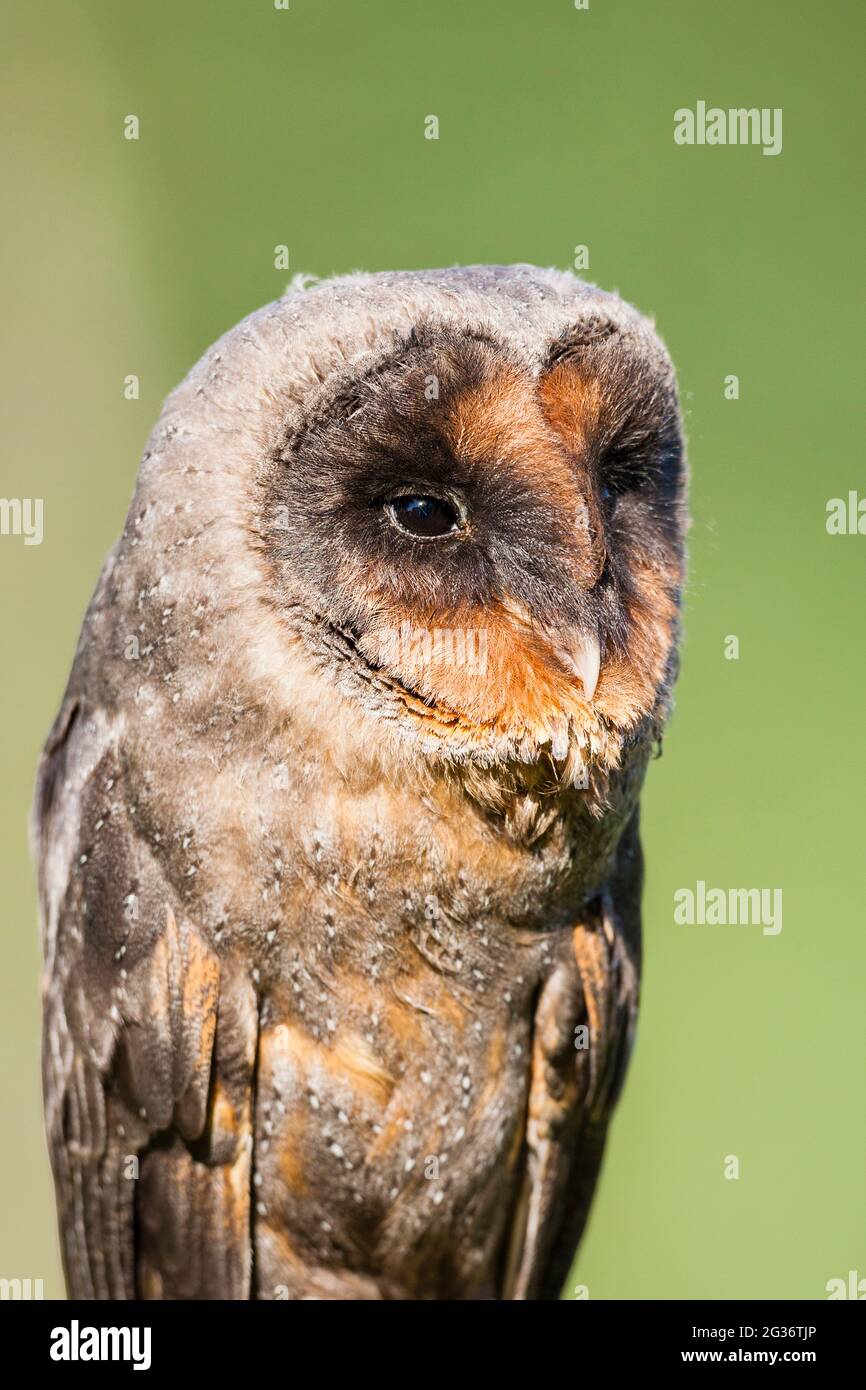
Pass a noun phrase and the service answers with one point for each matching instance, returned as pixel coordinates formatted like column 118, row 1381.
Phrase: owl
column 337, row 827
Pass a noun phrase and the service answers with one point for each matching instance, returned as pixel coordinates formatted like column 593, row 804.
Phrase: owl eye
column 424, row 516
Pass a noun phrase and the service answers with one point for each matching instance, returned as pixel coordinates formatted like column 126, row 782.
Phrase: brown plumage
column 337, row 825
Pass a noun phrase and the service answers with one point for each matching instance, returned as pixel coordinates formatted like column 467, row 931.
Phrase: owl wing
column 148, row 1050
column 583, row 1033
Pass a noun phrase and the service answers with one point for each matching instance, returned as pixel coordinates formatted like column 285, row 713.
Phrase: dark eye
column 423, row 516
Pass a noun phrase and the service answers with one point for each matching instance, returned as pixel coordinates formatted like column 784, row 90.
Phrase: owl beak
column 583, row 659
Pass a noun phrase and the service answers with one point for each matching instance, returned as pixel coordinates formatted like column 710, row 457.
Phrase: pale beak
column 583, row 659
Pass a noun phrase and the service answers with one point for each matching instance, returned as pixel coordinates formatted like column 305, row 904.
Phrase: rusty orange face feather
column 337, row 825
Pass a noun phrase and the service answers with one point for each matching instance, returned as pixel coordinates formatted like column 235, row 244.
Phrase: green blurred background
column 261, row 127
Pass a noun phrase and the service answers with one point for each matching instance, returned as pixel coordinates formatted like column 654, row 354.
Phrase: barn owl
column 337, row 825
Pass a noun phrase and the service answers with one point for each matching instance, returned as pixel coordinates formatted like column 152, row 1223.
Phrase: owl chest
column 395, row 1052
column 392, row 1128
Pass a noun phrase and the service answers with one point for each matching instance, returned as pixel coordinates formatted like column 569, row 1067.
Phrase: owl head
column 445, row 507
